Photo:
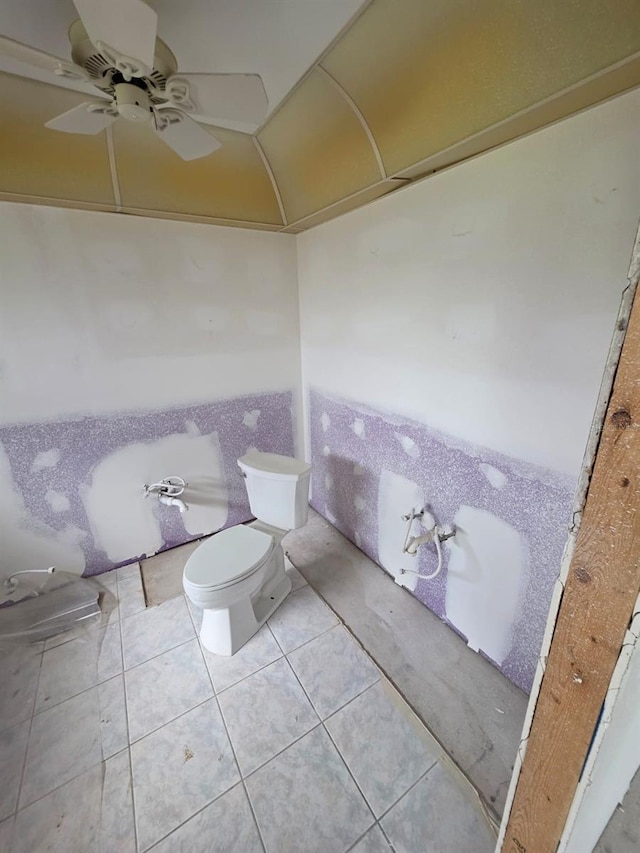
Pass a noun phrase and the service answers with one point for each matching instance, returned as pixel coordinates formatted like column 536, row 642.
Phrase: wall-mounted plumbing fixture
column 436, row 534
column 168, row 491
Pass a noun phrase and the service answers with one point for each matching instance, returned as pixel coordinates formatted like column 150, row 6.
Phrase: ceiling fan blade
column 188, row 139
column 87, row 118
column 15, row 50
column 232, row 97
column 126, row 26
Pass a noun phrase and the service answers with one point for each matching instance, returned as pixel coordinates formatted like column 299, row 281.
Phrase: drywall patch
column 528, row 515
column 57, row 501
column 206, row 439
column 250, row 419
column 45, row 459
column 487, row 575
column 358, row 428
column 497, row 479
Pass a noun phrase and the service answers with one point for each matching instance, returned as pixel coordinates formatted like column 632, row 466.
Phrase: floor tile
column 19, row 670
column 226, row 825
column 261, row 650
column 294, row 575
column 305, row 799
column 131, row 596
column 437, row 814
column 375, row 842
column 89, row 814
column 385, row 746
column 300, row 618
column 108, row 615
column 70, row 668
column 195, row 613
column 165, row 687
column 125, row 572
column 333, row 669
column 108, row 579
column 265, row 713
column 6, row 834
column 13, row 746
column 178, row 769
column 113, row 716
column 155, row 630
column 65, row 741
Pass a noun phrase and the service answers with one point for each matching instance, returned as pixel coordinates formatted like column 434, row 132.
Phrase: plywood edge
column 604, row 396
column 565, row 698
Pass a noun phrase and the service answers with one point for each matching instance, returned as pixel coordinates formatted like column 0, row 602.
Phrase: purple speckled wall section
column 536, row 502
column 84, row 443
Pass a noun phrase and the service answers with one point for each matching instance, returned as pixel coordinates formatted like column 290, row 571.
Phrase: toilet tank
column 278, row 488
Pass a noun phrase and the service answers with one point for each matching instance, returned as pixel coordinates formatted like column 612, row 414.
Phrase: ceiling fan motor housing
column 133, row 102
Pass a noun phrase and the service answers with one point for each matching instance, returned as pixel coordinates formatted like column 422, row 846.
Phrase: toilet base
column 226, row 630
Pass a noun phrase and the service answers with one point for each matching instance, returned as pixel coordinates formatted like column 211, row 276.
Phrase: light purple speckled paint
column 534, row 501
column 84, row 443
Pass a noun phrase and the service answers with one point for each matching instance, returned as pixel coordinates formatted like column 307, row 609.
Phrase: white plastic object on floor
column 39, row 604
column 237, row 576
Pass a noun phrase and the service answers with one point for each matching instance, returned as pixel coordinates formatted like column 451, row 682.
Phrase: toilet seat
column 228, row 557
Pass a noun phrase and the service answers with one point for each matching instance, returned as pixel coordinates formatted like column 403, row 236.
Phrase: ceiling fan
column 114, row 48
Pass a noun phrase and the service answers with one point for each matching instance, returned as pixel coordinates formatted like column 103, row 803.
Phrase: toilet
column 237, row 577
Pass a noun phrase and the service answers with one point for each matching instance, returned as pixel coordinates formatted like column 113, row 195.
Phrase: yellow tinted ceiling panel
column 317, row 148
column 428, row 74
column 37, row 161
column 232, row 183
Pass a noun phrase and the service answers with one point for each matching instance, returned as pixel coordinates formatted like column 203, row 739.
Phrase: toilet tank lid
column 274, row 465
column 228, row 556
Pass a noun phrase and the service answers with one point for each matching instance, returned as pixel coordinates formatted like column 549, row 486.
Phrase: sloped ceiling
column 408, row 88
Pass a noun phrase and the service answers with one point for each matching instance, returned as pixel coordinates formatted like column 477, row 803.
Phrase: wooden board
column 596, row 608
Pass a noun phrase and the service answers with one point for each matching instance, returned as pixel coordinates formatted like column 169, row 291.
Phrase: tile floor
column 131, row 737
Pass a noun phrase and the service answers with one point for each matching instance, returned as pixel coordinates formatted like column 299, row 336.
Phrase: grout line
column 172, row 720
column 26, row 751
column 485, row 806
column 126, row 717
column 306, row 642
column 386, row 837
column 233, row 751
column 410, row 788
column 326, row 730
column 67, row 782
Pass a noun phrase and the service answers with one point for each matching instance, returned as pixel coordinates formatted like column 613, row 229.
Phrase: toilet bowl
column 237, row 576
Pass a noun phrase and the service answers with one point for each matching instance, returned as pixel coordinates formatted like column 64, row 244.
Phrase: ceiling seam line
column 169, row 216
column 401, row 182
column 309, row 71
column 358, row 113
column 272, row 177
column 113, row 169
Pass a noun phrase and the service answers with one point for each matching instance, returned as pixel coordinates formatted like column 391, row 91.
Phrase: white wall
column 104, row 312
column 480, row 304
column 482, row 300
column 103, row 315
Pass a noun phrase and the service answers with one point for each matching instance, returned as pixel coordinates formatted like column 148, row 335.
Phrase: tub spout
column 171, row 501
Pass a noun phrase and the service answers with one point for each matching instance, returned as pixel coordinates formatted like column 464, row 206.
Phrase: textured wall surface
column 75, row 487
column 133, row 349
column 511, row 519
